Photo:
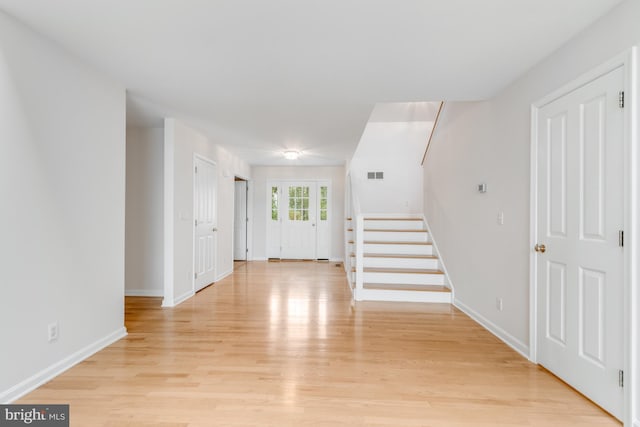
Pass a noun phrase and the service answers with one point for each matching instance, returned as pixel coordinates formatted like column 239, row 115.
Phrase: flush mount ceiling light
column 291, row 154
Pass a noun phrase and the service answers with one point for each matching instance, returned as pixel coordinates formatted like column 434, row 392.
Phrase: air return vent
column 375, row 175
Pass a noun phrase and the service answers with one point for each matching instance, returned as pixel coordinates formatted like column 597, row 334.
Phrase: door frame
column 328, row 225
column 278, row 182
column 200, row 157
column 242, row 178
column 631, row 332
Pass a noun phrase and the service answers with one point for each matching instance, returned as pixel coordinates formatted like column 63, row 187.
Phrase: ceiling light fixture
column 291, row 155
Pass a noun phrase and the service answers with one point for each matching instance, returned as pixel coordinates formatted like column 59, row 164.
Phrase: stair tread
column 402, row 270
column 411, row 256
column 386, row 242
column 403, row 287
column 393, row 219
column 391, row 230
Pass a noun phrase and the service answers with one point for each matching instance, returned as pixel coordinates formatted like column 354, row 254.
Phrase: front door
column 205, row 223
column 299, row 220
column 580, row 214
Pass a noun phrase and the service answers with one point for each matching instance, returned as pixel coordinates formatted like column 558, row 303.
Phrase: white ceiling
column 263, row 76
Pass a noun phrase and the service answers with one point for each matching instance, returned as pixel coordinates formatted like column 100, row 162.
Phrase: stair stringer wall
column 447, row 278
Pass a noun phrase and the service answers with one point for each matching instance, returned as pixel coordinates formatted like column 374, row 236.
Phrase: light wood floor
column 279, row 344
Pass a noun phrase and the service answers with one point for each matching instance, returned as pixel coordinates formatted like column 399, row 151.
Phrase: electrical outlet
column 500, row 218
column 52, row 330
column 499, row 304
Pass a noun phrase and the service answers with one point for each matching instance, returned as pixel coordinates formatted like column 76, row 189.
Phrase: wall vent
column 375, row 175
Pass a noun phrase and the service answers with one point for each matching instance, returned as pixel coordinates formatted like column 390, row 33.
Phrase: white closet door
column 580, row 214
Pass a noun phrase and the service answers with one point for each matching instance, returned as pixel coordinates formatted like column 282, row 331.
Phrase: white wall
column 395, row 148
column 490, row 142
column 181, row 144
column 62, row 190
column 261, row 205
column 144, row 221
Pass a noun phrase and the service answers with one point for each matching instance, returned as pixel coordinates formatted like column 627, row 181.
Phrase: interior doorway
column 241, row 219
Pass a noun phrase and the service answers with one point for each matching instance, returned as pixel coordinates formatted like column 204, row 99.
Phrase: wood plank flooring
column 280, row 344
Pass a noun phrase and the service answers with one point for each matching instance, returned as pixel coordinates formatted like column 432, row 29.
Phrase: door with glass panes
column 299, row 219
column 298, row 213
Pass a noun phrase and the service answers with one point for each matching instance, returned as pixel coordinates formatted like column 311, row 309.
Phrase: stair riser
column 402, row 296
column 401, row 263
column 398, row 249
column 396, row 236
column 395, row 225
column 404, row 278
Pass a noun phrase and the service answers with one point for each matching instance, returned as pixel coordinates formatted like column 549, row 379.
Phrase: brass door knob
column 540, row 248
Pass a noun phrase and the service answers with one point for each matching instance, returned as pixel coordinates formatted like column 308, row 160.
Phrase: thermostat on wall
column 482, row 188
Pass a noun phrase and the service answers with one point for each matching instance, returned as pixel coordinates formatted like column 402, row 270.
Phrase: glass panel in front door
column 299, row 203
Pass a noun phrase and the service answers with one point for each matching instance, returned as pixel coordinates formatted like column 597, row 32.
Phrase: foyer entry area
column 283, row 344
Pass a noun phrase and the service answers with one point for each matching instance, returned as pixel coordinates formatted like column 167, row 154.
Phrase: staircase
column 393, row 259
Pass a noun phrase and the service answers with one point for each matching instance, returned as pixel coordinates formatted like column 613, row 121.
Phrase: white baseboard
column 182, row 298
column 47, row 374
column 503, row 335
column 259, row 259
column 223, row 275
column 144, row 292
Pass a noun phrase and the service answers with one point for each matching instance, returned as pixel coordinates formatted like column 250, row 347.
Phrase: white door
column 298, row 214
column 205, row 223
column 240, row 222
column 580, row 214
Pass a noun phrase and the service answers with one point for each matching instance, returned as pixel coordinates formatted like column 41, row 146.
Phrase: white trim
column 260, row 259
column 632, row 225
column 144, row 292
column 246, row 220
column 58, row 368
column 169, row 155
column 439, row 255
column 179, row 300
column 496, row 330
column 202, row 158
column 359, row 250
column 631, row 272
column 269, row 236
column 249, row 220
column 621, row 60
column 279, row 183
column 533, row 237
column 336, row 260
column 225, row 274
column 328, row 222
